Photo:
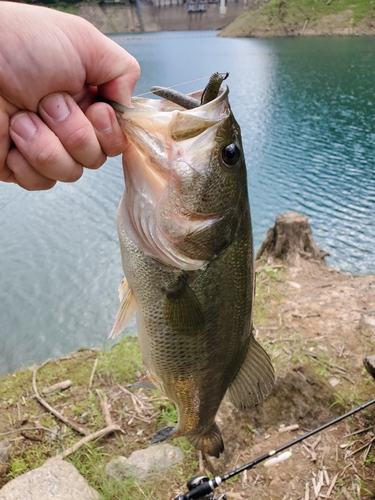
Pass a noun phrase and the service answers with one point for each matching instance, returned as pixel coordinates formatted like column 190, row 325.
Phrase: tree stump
column 290, row 239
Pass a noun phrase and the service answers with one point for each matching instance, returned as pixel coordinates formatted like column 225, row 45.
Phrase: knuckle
column 47, row 155
column 78, row 138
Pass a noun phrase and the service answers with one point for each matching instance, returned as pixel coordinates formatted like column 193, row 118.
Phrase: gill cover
column 180, row 176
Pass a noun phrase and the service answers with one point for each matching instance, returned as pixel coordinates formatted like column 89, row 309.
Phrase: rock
column 367, row 320
column 334, row 381
column 4, row 447
column 142, row 464
column 369, row 363
column 54, row 480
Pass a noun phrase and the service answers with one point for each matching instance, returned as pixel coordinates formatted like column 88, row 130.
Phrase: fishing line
column 177, row 85
column 10, row 201
column 203, row 487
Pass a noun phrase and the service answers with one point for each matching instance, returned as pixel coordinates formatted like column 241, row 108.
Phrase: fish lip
column 157, row 105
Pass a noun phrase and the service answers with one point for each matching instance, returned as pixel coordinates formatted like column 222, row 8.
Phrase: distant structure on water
column 132, row 16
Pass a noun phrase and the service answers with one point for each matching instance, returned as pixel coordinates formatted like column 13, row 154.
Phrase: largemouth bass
column 187, row 253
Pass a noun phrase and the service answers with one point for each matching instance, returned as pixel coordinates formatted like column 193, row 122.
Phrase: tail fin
column 211, row 442
column 255, row 379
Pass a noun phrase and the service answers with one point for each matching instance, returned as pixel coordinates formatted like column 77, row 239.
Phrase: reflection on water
column 306, row 109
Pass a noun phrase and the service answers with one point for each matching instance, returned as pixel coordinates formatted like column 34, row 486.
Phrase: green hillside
column 306, row 17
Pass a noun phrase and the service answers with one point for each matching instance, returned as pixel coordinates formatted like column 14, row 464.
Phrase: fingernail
column 56, row 107
column 101, row 120
column 23, row 126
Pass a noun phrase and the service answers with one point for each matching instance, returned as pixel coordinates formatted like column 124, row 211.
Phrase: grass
column 299, row 10
column 277, row 15
column 121, row 364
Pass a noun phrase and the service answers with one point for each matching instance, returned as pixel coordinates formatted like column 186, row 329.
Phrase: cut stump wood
column 290, row 239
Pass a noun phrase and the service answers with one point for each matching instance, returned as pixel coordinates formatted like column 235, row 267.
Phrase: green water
column 306, row 109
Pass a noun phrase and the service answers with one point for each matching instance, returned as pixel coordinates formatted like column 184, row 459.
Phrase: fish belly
column 195, row 368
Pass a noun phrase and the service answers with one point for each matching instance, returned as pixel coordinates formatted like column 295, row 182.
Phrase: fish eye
column 231, row 154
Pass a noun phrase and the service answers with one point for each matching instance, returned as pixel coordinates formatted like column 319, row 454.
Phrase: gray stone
column 367, row 321
column 142, row 464
column 4, row 447
column 369, row 363
column 54, row 480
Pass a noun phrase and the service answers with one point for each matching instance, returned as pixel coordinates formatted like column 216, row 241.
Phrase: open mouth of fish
column 170, row 146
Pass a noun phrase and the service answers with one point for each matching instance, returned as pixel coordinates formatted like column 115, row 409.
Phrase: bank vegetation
column 305, row 18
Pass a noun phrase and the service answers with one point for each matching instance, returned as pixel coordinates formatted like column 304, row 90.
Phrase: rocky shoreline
column 258, row 24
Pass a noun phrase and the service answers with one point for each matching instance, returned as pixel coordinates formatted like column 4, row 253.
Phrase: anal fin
column 128, row 307
column 255, row 379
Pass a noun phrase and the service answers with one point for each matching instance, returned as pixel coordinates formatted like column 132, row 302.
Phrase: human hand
column 52, row 67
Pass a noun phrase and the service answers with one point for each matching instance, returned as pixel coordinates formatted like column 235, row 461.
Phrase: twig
column 142, row 419
column 60, row 386
column 365, row 455
column 140, row 489
column 105, row 408
column 58, row 415
column 133, row 396
column 360, row 431
column 293, row 427
column 307, row 491
column 332, row 485
column 90, row 437
column 315, row 443
column 346, row 493
column 326, row 476
column 93, row 372
column 32, row 437
column 244, row 478
column 39, row 428
column 200, row 462
column 361, row 448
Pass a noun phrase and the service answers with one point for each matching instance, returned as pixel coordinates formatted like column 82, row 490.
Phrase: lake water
column 306, row 108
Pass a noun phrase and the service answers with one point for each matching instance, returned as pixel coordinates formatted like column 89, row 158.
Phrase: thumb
column 108, row 66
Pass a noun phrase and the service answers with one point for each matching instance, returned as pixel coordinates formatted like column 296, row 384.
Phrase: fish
column 186, row 243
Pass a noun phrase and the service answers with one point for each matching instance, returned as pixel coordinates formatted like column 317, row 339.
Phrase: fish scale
column 186, row 243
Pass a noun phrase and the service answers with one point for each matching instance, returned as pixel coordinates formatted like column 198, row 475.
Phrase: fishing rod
column 203, row 487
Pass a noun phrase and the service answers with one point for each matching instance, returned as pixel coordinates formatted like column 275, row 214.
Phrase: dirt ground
column 317, row 325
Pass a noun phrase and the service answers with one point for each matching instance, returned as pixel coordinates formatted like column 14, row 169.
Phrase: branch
column 90, row 437
column 58, row 415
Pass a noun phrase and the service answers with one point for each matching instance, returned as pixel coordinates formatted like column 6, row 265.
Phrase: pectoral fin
column 182, row 309
column 128, row 307
column 255, row 379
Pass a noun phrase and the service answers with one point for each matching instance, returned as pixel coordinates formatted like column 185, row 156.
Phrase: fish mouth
column 169, row 148
column 140, row 104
